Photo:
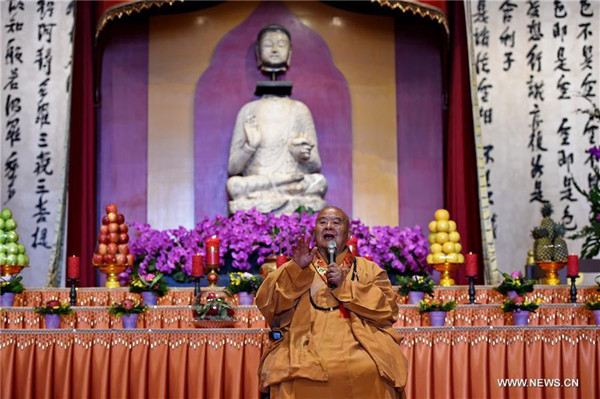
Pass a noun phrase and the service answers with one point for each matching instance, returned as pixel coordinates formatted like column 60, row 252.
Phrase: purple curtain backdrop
column 419, row 93
column 123, row 146
column 229, row 83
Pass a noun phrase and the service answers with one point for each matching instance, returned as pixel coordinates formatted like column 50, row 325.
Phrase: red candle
column 280, row 260
column 471, row 265
column 197, row 265
column 73, row 267
column 212, row 251
column 572, row 265
column 353, row 245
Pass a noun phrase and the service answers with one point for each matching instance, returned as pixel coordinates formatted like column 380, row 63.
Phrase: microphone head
column 331, row 246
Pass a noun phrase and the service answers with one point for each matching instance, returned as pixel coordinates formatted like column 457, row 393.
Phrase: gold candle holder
column 112, row 272
column 9, row 270
column 212, row 277
column 551, row 269
column 446, row 270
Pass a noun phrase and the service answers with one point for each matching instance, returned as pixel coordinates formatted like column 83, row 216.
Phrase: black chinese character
column 563, row 87
column 40, row 238
column 587, row 57
column 568, row 220
column 507, row 37
column 537, row 168
column 561, row 60
column 537, row 195
column 13, row 53
column 535, row 31
column 481, row 16
column 564, row 131
column 481, row 63
column 584, row 6
column 10, row 172
column 507, row 8
column 45, row 8
column 588, row 86
column 559, row 10
column 42, row 164
column 535, row 89
column 565, row 159
column 534, row 59
column 484, row 89
column 559, row 31
column 487, row 153
column 482, row 37
column 12, row 83
column 585, row 30
column 486, row 115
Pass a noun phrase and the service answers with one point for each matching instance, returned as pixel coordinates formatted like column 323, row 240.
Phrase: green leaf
column 179, row 276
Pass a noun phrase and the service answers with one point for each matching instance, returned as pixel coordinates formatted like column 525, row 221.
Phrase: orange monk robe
column 324, row 354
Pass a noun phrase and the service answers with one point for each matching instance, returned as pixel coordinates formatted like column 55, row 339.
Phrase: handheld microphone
column 331, row 250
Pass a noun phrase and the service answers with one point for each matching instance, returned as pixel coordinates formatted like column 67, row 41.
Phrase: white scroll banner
column 37, row 44
column 533, row 64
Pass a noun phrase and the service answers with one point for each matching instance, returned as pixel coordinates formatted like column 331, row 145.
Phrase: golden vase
column 551, row 269
column 446, row 270
column 112, row 274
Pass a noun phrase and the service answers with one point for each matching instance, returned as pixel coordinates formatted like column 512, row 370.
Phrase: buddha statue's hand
column 300, row 148
column 252, row 132
column 302, row 254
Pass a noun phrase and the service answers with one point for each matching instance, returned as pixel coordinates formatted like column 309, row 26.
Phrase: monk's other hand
column 335, row 275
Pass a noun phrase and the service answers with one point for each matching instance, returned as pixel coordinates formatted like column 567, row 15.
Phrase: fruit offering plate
column 199, row 323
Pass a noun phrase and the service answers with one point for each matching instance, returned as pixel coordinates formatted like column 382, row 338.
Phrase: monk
column 331, row 322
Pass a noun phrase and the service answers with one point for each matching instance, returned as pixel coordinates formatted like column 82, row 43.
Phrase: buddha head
column 273, row 49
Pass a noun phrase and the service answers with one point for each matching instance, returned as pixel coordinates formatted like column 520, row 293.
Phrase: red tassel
column 344, row 312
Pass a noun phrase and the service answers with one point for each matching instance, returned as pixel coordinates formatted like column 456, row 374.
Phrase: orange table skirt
column 184, row 296
column 444, row 362
column 250, row 317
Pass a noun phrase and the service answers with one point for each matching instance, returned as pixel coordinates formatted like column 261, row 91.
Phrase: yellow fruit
column 433, row 226
column 441, row 238
column 430, row 259
column 431, row 238
column 439, row 258
column 451, row 225
column 442, row 225
column 448, row 247
column 461, row 258
column 454, row 236
column 452, row 258
column 457, row 248
column 435, row 248
column 442, row 214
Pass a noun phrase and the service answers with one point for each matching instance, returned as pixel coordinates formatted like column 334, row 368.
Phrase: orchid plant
column 436, row 305
column 591, row 233
column 54, row 307
column 248, row 237
column 126, row 307
column 11, row 283
column 243, row 282
column 520, row 303
column 149, row 282
column 593, row 303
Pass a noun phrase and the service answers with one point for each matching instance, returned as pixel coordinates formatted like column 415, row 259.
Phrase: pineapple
column 543, row 245
column 559, row 251
column 547, row 222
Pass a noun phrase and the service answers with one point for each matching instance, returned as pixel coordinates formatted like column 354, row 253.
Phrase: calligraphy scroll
column 533, row 65
column 36, row 47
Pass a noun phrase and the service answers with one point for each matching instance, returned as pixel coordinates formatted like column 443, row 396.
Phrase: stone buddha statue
column 274, row 159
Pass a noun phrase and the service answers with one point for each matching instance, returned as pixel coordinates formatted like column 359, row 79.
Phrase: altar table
column 444, row 362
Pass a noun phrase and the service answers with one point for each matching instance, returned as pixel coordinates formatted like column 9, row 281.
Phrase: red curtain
column 82, row 150
column 461, row 188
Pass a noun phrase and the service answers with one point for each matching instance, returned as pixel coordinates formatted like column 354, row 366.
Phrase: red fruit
column 194, row 313
column 121, row 259
column 104, row 220
column 211, row 295
column 123, row 249
column 123, row 228
column 120, row 218
column 97, row 259
column 102, row 249
column 230, row 312
column 113, row 237
column 112, row 248
column 103, row 239
column 109, row 259
column 112, row 217
column 123, row 238
column 111, row 208
column 130, row 259
column 213, row 310
column 113, row 227
column 104, row 229
column 52, row 303
column 127, row 304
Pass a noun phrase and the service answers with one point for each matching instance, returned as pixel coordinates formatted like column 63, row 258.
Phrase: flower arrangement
column 515, row 282
column 11, row 283
column 591, row 233
column 215, row 308
column 520, row 303
column 243, row 282
column 126, row 307
column 248, row 237
column 436, row 305
column 414, row 283
column 54, row 307
column 150, row 282
column 401, row 251
column 593, row 303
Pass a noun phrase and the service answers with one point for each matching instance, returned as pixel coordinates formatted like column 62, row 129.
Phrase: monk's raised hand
column 302, row 253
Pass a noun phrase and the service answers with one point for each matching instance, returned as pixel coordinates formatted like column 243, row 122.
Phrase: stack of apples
column 11, row 252
column 444, row 240
column 112, row 241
